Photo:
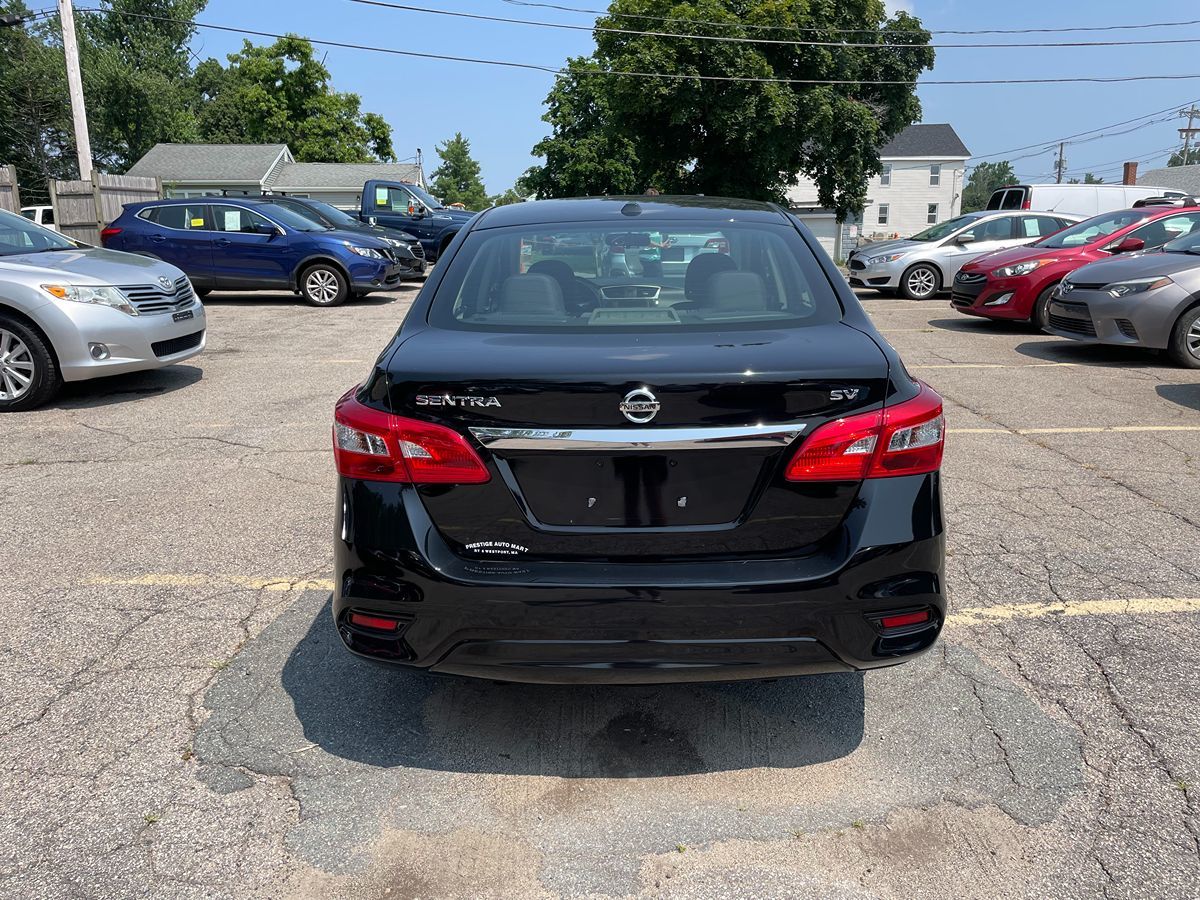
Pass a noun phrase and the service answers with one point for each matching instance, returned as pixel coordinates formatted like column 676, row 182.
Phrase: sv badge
column 845, row 394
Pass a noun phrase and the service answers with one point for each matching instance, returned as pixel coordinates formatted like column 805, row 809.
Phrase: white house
column 199, row 170
column 921, row 184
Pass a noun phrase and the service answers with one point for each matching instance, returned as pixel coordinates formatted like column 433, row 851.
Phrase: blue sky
column 500, row 110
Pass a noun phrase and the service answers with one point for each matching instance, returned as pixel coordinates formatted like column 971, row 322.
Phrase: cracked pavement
column 179, row 719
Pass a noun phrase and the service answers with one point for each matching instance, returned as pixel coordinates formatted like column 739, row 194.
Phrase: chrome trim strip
column 615, row 439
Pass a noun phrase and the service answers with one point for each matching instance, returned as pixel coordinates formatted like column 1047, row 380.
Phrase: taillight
column 108, row 234
column 1027, row 204
column 377, row 446
column 905, row 439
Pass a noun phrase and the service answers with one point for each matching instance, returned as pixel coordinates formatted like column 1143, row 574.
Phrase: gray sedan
column 69, row 312
column 920, row 266
column 1148, row 300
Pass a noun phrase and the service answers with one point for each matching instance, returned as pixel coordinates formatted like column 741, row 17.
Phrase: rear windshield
column 660, row 277
column 1094, row 229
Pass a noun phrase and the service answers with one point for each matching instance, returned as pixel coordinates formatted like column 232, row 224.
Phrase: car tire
column 323, row 285
column 24, row 353
column 1184, row 346
column 1039, row 318
column 920, row 282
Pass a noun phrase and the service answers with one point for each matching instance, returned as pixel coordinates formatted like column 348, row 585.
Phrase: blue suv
column 241, row 244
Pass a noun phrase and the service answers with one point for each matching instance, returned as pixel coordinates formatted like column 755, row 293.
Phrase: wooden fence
column 82, row 208
column 10, row 197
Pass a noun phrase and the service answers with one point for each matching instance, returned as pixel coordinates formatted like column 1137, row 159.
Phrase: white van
column 40, row 215
column 1085, row 200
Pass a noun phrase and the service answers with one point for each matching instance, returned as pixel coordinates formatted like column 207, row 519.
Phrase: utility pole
column 83, row 142
column 1186, row 133
column 1060, row 165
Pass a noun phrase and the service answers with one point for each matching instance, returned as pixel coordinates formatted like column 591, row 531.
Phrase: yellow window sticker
column 197, row 223
column 381, row 196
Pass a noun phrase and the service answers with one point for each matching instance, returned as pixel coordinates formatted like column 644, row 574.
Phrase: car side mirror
column 269, row 230
column 965, row 239
column 372, row 220
column 1129, row 245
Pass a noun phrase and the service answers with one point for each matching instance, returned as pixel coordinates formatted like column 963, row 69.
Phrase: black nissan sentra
column 638, row 440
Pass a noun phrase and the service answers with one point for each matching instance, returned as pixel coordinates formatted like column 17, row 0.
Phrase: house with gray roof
column 921, row 184
column 1174, row 178
column 203, row 170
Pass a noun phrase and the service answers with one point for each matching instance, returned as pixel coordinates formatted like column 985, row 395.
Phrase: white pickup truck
column 40, row 215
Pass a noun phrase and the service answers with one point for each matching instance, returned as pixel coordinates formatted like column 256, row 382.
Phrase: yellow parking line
column 1134, row 607
column 255, row 583
column 1095, row 429
column 1057, row 365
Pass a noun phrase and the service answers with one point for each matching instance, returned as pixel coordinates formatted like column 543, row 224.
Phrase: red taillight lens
column 376, row 623
column 1028, row 204
column 906, row 439
column 901, row 620
column 108, row 233
column 378, row 446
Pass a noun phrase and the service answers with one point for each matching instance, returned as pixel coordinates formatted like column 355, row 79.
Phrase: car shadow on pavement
column 977, row 325
column 286, row 298
column 1187, row 395
column 125, row 388
column 384, row 716
column 1061, row 351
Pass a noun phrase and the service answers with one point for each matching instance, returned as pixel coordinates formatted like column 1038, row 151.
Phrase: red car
column 1017, row 283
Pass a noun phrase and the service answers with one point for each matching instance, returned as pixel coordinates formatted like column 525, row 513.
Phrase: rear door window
column 1038, row 226
column 669, row 276
column 183, row 217
column 1013, row 198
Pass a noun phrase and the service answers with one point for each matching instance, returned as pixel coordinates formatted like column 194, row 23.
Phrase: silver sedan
column 920, row 266
column 70, row 312
column 1147, row 300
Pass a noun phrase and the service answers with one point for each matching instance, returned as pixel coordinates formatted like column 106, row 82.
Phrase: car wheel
column 1039, row 318
column 29, row 373
column 920, row 282
column 323, row 285
column 1184, row 348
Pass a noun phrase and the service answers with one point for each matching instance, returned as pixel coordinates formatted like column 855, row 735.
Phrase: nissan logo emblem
column 639, row 406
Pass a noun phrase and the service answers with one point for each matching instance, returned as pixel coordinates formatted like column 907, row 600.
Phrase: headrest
column 700, row 270
column 531, row 295
column 743, row 291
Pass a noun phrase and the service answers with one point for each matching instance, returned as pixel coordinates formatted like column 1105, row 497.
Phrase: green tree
column 457, row 179
column 136, row 72
column 281, row 94
column 1179, row 158
column 984, row 179
column 1088, row 178
column 684, row 133
column 35, row 120
column 512, row 195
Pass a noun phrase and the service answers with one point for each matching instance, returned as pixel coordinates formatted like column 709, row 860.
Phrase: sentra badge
column 455, row 400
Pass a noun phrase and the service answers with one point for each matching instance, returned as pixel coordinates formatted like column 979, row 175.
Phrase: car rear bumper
column 132, row 343
column 1096, row 317
column 717, row 620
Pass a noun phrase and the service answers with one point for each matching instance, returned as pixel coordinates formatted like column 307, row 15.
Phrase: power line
column 672, row 76
column 611, row 15
column 1048, row 144
column 876, row 45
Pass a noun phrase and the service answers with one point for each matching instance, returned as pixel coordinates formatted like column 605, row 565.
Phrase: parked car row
column 1128, row 277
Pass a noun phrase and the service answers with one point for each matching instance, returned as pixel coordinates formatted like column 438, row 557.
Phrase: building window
column 885, row 176
column 883, row 213
column 931, row 215
column 935, row 174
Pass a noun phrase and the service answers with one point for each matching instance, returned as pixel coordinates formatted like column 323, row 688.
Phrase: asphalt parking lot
column 179, row 720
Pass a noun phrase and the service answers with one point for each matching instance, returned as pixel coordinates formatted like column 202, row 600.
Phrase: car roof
column 630, row 212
